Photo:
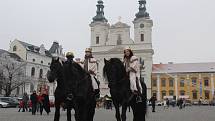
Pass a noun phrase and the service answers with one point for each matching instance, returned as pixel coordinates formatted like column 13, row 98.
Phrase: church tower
column 99, row 27
column 142, row 25
column 143, row 38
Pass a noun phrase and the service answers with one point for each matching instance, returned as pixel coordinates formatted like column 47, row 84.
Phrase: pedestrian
column 25, row 100
column 40, row 103
column 45, row 103
column 20, row 105
column 34, row 102
column 132, row 67
column 153, row 100
column 167, row 102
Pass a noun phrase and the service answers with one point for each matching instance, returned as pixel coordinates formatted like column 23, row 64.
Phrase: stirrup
column 138, row 99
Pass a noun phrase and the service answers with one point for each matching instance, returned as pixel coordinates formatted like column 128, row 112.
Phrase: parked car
column 11, row 101
column 3, row 104
column 159, row 103
column 212, row 102
column 205, row 102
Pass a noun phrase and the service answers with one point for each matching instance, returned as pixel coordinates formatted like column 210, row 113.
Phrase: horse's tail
column 145, row 100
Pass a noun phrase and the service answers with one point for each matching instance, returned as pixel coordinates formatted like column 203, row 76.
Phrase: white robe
column 134, row 74
column 92, row 66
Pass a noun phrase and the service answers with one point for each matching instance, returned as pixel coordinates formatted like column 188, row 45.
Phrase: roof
column 12, row 55
column 54, row 47
column 33, row 48
column 184, row 68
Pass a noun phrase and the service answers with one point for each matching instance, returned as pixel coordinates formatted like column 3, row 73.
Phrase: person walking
column 34, row 102
column 45, row 103
column 25, row 100
column 153, row 100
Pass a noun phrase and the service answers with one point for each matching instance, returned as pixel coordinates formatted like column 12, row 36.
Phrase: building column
column 176, row 86
column 200, row 86
column 188, row 85
column 158, row 87
column 212, row 84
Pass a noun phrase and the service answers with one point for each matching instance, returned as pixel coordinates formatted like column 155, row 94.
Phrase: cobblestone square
column 193, row 113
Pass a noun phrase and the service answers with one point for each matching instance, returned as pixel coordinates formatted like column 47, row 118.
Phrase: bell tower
column 142, row 25
column 99, row 27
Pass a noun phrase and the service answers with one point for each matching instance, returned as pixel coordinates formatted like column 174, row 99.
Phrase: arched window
column 32, row 71
column 41, row 73
column 14, row 48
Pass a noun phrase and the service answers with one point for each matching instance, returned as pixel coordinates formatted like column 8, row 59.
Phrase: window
column 182, row 83
column 193, row 82
column 32, row 71
column 207, row 94
column 171, row 93
column 33, row 60
column 163, row 83
column 142, row 37
column 14, row 48
column 49, row 63
column 182, row 92
column 206, row 82
column 194, row 94
column 171, row 82
column 97, row 40
column 154, row 83
column 119, row 40
column 41, row 73
column 17, row 90
column 163, row 94
column 41, row 62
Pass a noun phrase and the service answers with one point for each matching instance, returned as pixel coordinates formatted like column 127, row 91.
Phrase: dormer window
column 97, row 40
column 14, row 48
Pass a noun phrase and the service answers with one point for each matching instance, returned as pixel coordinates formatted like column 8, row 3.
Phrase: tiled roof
column 184, row 68
column 33, row 48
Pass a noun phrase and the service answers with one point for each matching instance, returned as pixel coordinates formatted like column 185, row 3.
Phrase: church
column 109, row 40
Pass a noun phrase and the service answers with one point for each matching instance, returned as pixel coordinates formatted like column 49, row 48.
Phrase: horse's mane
column 118, row 65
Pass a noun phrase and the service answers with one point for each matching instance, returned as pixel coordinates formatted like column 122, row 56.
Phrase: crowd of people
column 36, row 103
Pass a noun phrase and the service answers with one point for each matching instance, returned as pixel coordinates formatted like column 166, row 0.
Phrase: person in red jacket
column 20, row 105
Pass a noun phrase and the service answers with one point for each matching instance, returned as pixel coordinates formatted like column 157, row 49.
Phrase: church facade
column 108, row 41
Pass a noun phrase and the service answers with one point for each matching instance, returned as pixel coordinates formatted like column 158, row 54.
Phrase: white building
column 108, row 41
column 38, row 60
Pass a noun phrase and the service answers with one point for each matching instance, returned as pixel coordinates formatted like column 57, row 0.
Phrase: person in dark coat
column 34, row 102
column 153, row 100
column 25, row 100
column 45, row 103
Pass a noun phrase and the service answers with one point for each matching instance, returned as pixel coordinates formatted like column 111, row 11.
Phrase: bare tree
column 12, row 73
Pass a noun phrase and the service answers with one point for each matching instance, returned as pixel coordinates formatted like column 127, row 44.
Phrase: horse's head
column 113, row 70
column 56, row 68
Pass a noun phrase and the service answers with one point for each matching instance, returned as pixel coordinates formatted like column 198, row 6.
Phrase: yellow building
column 185, row 80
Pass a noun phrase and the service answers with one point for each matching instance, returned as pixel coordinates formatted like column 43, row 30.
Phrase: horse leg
column 124, row 109
column 91, row 109
column 68, row 114
column 57, row 111
column 117, row 115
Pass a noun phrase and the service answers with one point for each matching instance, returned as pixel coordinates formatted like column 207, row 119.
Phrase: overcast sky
column 183, row 31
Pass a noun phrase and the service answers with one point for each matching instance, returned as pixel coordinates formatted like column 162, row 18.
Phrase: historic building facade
column 185, row 80
column 38, row 60
column 108, row 41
